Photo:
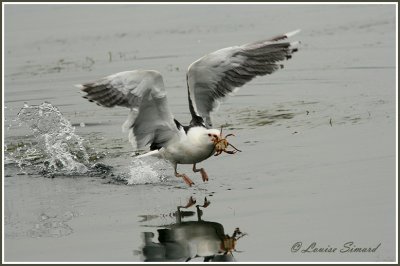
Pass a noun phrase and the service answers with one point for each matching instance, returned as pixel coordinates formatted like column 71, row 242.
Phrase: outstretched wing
column 216, row 75
column 150, row 122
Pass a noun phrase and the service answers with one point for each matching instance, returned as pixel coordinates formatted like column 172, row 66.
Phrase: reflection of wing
column 216, row 75
column 150, row 120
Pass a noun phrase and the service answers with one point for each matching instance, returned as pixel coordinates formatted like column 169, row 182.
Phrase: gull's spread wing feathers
column 150, row 121
column 217, row 74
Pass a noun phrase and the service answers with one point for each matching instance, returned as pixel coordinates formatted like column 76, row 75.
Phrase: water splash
column 147, row 171
column 56, row 150
column 56, row 147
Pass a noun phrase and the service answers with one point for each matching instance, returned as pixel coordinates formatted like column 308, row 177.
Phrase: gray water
column 318, row 137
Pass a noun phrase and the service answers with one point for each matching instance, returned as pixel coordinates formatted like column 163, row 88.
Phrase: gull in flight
column 209, row 79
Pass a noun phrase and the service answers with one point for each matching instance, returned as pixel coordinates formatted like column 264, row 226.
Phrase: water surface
column 318, row 160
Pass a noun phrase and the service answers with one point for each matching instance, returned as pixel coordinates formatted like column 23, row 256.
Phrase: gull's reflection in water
column 186, row 240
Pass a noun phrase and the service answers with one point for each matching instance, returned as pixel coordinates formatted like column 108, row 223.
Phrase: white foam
column 62, row 150
column 147, row 171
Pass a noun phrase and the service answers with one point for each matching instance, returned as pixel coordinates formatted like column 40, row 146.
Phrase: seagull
column 210, row 79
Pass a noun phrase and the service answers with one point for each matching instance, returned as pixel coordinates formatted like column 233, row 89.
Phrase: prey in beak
column 221, row 144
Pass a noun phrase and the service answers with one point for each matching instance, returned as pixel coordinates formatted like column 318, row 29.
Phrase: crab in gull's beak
column 221, row 144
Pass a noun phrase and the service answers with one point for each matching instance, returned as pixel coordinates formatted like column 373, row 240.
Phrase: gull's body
column 193, row 147
column 209, row 79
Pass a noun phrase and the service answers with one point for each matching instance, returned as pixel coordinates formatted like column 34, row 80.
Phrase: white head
column 203, row 135
column 213, row 134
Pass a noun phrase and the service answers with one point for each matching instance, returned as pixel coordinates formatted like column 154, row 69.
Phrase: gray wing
column 150, row 122
column 216, row 75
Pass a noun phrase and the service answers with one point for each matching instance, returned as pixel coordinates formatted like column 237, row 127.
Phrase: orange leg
column 184, row 177
column 203, row 173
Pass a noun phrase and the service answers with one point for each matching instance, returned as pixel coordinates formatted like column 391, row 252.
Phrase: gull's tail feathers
column 155, row 153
